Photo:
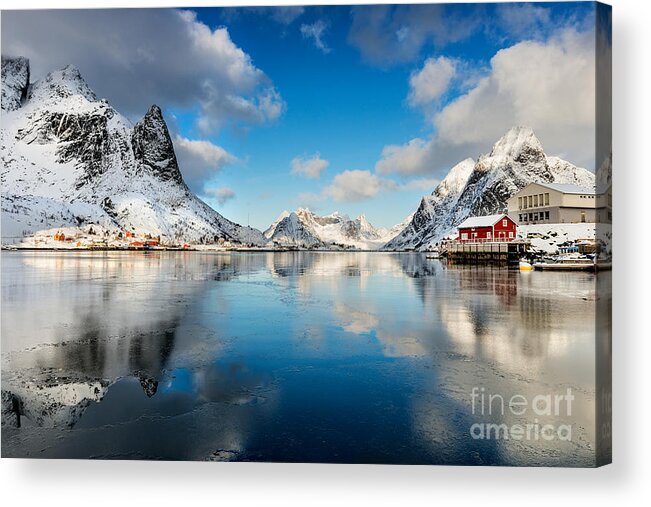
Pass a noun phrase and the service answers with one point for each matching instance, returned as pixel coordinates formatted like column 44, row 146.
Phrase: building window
column 535, row 217
column 535, row 200
column 546, row 215
column 504, row 222
column 546, row 198
column 583, row 216
column 519, row 202
column 464, row 235
column 488, row 235
column 510, row 234
column 540, row 199
column 530, row 199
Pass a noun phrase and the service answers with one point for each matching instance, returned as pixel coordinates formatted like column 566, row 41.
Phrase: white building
column 559, row 203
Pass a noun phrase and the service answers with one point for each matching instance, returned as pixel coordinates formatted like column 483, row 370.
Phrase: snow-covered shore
column 548, row 238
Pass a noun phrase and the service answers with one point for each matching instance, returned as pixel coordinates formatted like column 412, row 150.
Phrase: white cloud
column 199, row 160
column 430, row 82
column 408, row 159
column 428, row 184
column 316, row 32
column 548, row 85
column 136, row 57
column 353, row 185
column 360, row 185
column 221, row 194
column 309, row 167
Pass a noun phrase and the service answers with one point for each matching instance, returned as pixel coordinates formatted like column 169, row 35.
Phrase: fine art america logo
column 495, row 407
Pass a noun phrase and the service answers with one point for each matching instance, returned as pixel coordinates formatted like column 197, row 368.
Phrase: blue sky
column 355, row 109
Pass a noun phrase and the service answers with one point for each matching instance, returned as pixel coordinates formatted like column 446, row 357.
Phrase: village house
column 557, row 203
column 487, row 228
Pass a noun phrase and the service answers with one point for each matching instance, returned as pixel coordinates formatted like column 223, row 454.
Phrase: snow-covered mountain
column 482, row 188
column 302, row 228
column 70, row 159
column 433, row 212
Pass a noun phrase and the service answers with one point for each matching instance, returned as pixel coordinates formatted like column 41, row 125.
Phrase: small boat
column 525, row 265
column 567, row 263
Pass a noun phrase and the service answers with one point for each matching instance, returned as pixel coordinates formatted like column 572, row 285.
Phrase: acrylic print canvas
column 337, row 234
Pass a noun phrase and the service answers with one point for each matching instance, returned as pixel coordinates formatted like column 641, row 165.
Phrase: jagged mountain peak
column 60, row 84
column 516, row 140
column 153, row 147
column 70, row 160
column 516, row 160
column 456, row 178
column 15, row 82
column 154, row 113
column 306, row 229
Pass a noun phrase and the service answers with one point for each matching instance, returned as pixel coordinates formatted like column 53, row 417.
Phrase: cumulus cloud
column 427, row 184
column 316, row 31
column 222, row 194
column 407, row 159
column 353, row 185
column 391, row 34
column 425, row 156
column 548, row 85
column 136, row 57
column 309, row 167
column 360, row 185
column 429, row 83
column 199, row 160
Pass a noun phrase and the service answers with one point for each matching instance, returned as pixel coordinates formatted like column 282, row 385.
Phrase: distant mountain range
column 302, row 228
column 69, row 159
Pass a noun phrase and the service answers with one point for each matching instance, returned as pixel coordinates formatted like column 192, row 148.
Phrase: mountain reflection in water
column 294, row 356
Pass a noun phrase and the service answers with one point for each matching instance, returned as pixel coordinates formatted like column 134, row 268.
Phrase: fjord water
column 294, row 356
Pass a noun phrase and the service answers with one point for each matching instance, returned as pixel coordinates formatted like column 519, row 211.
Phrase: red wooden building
column 487, row 228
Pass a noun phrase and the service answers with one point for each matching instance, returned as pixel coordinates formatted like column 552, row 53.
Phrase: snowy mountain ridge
column 303, row 228
column 483, row 187
column 70, row 159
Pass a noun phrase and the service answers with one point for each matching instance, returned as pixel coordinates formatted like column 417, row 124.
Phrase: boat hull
column 567, row 266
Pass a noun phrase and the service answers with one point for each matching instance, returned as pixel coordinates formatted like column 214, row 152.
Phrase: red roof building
column 487, row 228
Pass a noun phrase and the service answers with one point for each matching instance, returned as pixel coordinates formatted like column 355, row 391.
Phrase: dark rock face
column 149, row 385
column 15, row 82
column 153, row 148
column 11, row 409
column 80, row 137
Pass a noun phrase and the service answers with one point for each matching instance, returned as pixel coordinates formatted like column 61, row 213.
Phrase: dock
column 502, row 253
